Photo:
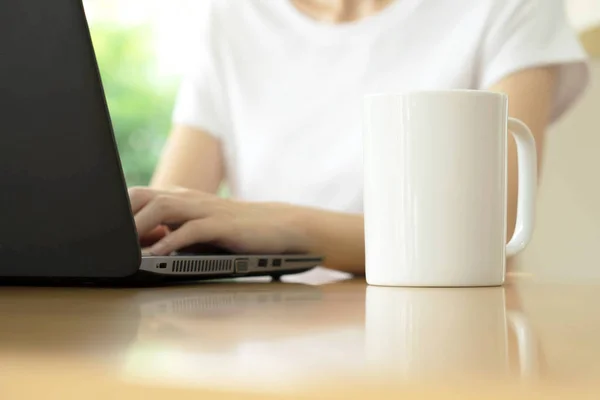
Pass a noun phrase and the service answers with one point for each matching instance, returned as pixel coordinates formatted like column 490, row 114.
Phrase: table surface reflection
column 337, row 339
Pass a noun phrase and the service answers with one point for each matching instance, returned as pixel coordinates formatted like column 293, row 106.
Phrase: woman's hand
column 170, row 220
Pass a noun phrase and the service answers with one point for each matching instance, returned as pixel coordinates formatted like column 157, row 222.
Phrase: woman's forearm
column 337, row 236
column 191, row 159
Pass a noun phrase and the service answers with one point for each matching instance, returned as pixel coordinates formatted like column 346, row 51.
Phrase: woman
column 273, row 107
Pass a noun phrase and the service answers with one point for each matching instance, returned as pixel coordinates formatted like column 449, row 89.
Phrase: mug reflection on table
column 447, row 334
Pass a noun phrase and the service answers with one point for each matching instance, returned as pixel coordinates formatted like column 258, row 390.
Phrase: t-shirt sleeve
column 533, row 33
column 199, row 100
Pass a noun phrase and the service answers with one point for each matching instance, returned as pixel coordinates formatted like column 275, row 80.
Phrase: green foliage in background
column 140, row 104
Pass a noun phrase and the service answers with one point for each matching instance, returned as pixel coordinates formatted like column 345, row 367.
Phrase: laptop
column 65, row 214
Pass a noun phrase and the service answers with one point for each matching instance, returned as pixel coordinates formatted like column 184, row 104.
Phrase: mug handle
column 527, row 156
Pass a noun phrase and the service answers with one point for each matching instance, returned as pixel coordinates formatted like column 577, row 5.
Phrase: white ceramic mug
column 435, row 188
column 450, row 334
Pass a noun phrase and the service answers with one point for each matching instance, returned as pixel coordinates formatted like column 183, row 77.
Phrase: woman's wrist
column 339, row 237
column 296, row 226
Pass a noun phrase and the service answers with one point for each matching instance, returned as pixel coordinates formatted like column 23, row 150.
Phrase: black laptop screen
column 63, row 203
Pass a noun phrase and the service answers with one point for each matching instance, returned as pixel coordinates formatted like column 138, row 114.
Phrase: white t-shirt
column 283, row 92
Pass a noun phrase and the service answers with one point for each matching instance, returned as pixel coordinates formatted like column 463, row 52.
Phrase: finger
column 161, row 210
column 140, row 196
column 169, row 210
column 197, row 231
column 153, row 236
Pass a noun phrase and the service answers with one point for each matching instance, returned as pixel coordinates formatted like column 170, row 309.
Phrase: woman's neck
column 339, row 11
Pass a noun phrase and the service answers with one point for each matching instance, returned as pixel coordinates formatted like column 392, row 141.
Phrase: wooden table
column 340, row 340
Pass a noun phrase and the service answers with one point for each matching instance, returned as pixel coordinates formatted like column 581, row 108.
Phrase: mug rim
column 469, row 92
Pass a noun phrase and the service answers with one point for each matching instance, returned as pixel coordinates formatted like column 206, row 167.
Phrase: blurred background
column 142, row 45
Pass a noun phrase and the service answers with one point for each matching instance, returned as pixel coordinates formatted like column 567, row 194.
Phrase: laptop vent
column 200, row 266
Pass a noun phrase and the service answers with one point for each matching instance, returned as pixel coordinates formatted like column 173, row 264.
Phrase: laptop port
column 277, row 262
column 262, row 262
column 162, row 265
column 241, row 266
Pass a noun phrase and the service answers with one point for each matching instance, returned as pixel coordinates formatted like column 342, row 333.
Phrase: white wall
column 566, row 245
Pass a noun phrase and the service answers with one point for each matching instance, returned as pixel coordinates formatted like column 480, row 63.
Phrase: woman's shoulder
column 524, row 34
